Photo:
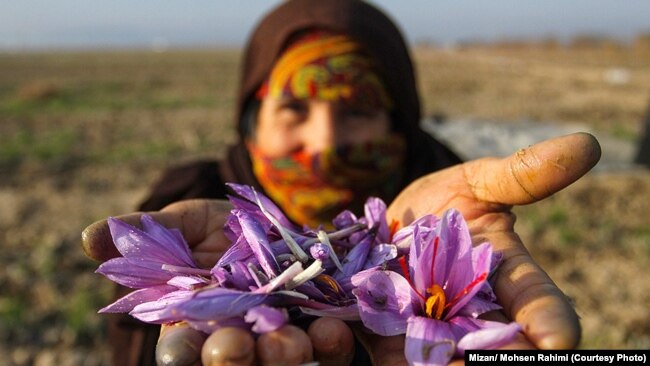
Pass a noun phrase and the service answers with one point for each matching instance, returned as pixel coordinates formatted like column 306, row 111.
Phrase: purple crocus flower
column 437, row 298
column 155, row 260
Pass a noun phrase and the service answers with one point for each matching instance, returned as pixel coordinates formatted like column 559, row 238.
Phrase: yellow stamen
column 436, row 302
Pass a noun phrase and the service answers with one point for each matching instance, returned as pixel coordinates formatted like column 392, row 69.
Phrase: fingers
column 332, row 341
column 200, row 221
column 525, row 291
column 289, row 345
column 383, row 351
column 179, row 345
column 533, row 173
column 493, row 185
column 229, row 346
column 97, row 243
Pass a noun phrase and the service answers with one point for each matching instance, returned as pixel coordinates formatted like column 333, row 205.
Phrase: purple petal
column 344, row 219
column 187, row 282
column 380, row 254
column 157, row 311
column 319, row 251
column 456, row 243
column 355, row 259
column 233, row 229
column 239, row 251
column 477, row 306
column 241, row 276
column 429, row 341
column 491, row 335
column 385, row 301
column 257, row 239
column 170, row 236
column 134, row 243
column 483, row 258
column 135, row 273
column 404, row 236
column 216, row 303
column 137, row 297
column 375, row 213
column 247, row 192
column 266, row 319
column 420, row 265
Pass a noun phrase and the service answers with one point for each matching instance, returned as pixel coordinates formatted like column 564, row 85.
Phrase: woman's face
column 287, row 125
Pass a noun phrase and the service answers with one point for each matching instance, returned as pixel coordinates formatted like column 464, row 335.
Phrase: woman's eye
column 295, row 106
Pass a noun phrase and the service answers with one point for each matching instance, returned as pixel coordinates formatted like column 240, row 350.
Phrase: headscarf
column 331, row 67
column 382, row 42
column 312, row 188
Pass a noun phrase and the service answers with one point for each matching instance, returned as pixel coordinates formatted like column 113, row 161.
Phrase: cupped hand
column 328, row 341
column 484, row 191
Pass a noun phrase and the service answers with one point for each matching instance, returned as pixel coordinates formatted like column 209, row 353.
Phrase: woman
column 328, row 114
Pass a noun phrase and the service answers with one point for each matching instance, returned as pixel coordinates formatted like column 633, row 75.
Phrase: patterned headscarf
column 329, row 67
column 311, row 188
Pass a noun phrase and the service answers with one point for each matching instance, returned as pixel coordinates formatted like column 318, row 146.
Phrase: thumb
column 533, row 173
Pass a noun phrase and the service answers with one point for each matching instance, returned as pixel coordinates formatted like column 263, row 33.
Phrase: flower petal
column 171, row 236
column 456, row 256
column 137, row 297
column 216, row 303
column 134, row 243
column 187, row 282
column 380, row 254
column 491, row 335
column 157, row 311
column 238, row 251
column 135, row 273
column 429, row 341
column 257, row 240
column 375, row 213
column 266, row 319
column 477, row 306
column 421, row 259
column 248, row 193
column 482, row 258
column 354, row 260
column 385, row 301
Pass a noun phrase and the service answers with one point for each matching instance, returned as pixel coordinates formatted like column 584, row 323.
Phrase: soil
column 83, row 135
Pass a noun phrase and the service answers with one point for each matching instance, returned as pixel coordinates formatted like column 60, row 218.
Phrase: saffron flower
column 436, row 296
column 425, row 280
column 156, row 261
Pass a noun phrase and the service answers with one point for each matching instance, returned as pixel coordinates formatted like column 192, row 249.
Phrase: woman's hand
column 483, row 190
column 330, row 341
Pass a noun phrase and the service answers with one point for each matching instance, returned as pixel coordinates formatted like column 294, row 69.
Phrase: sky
column 74, row 24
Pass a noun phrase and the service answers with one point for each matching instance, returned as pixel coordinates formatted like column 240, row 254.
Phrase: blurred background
column 96, row 98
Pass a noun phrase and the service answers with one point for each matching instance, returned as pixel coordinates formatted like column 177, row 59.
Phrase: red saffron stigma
column 392, row 228
column 407, row 275
column 464, row 291
column 405, row 268
column 433, row 258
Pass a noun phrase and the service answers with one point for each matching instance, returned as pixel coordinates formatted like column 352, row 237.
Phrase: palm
column 484, row 190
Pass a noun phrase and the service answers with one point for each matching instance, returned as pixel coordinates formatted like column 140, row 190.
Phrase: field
column 83, row 135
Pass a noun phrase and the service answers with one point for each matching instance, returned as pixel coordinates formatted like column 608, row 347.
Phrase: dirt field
column 82, row 135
